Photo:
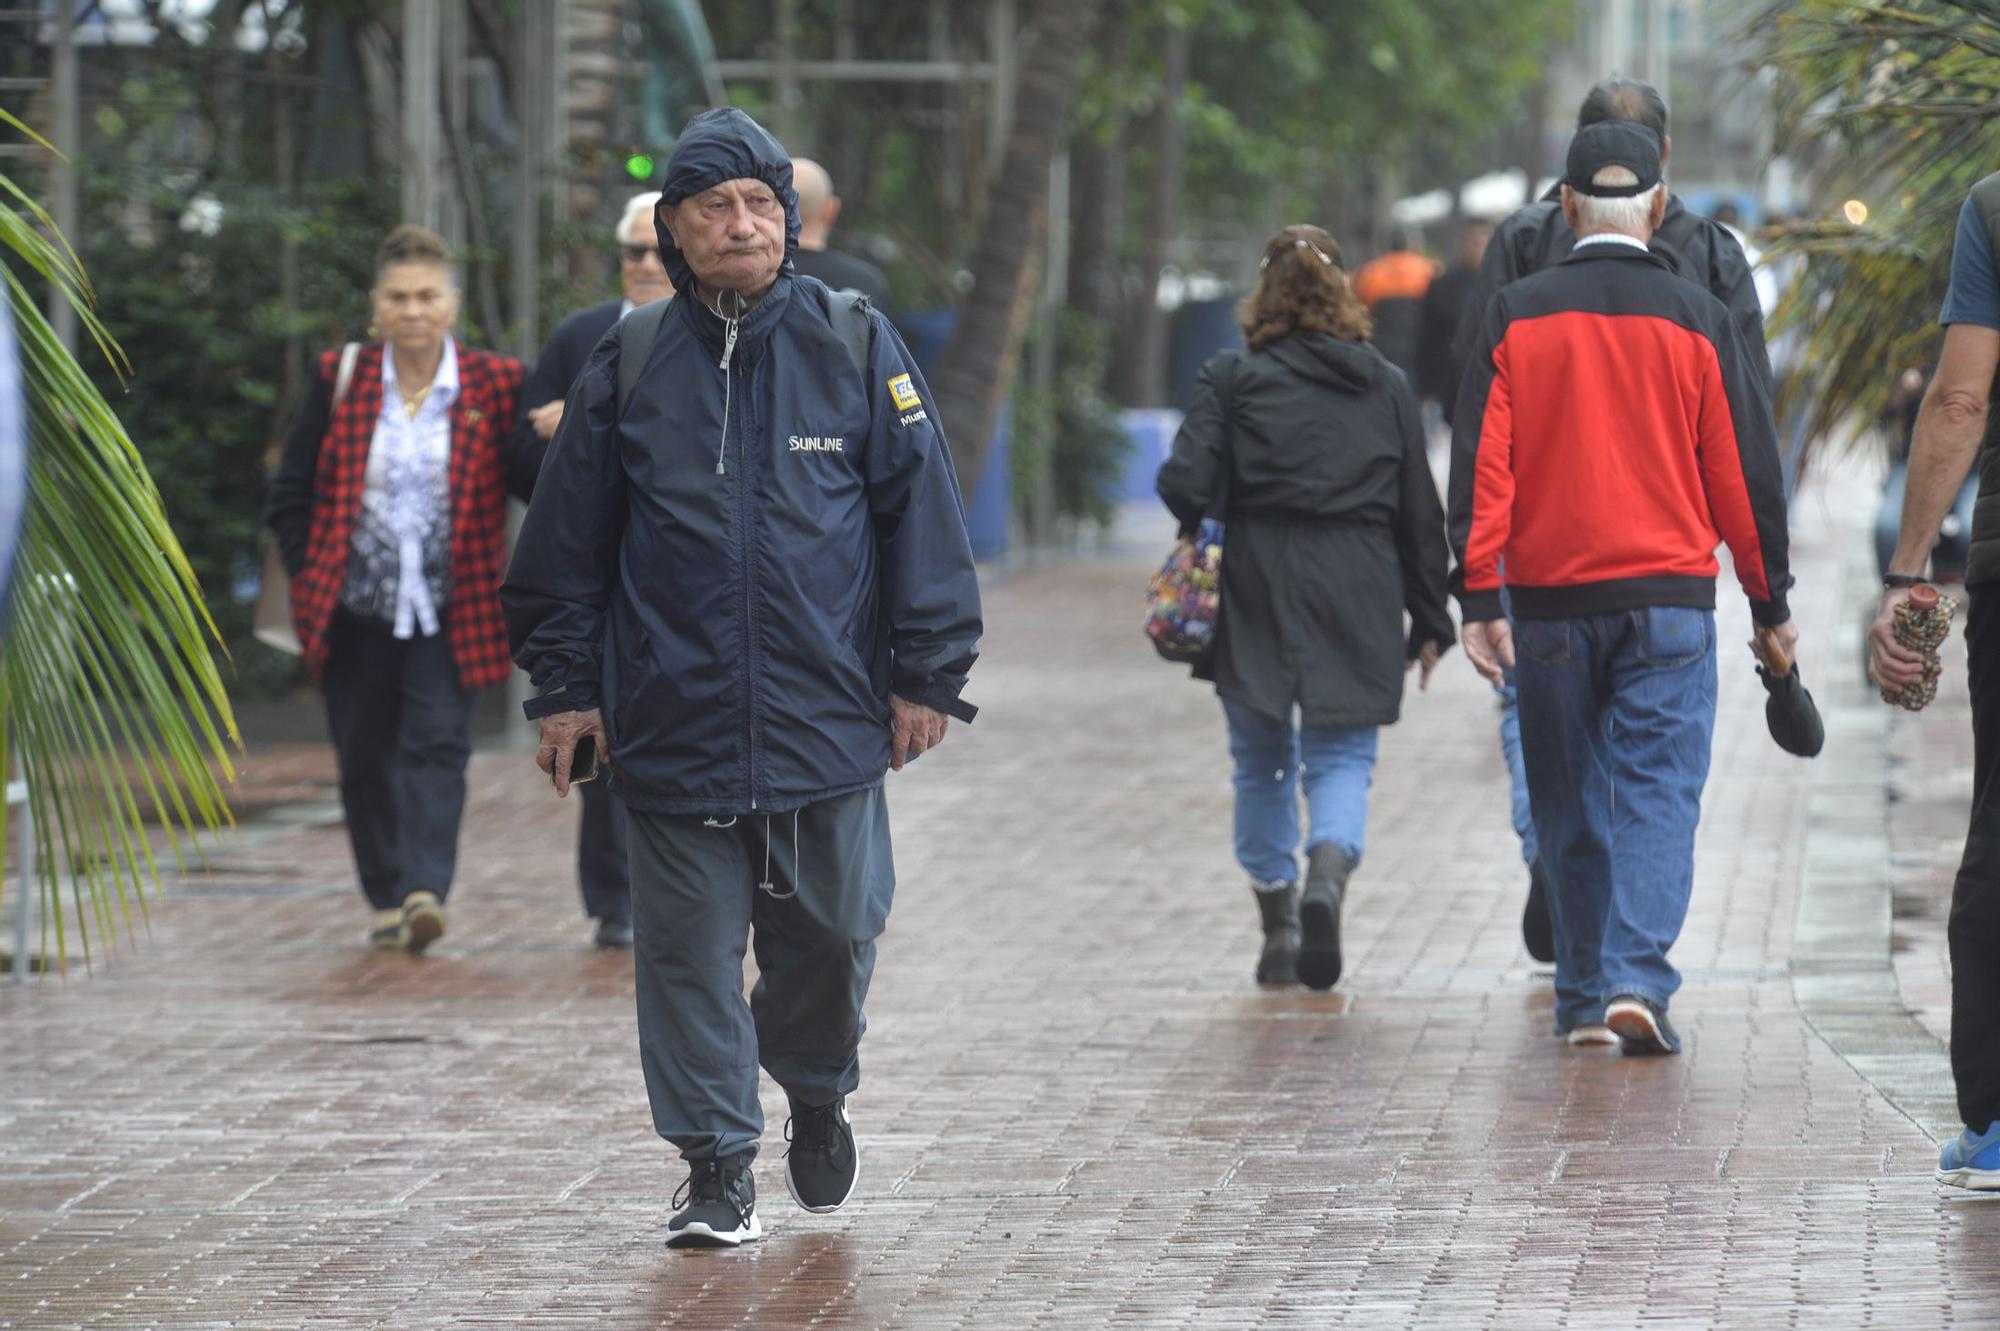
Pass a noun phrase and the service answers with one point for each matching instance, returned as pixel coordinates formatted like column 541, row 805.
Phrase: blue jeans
column 1510, row 750
column 1517, row 768
column 1338, row 766
column 1617, row 712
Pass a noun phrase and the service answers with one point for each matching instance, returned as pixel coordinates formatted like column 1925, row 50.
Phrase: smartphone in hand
column 582, row 763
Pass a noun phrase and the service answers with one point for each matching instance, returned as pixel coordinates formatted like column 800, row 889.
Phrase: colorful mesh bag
column 1184, row 599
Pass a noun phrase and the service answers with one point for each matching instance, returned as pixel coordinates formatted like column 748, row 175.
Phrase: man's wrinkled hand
column 560, row 733
column 546, row 418
column 1489, row 645
column 1785, row 638
column 1890, row 664
column 918, row 729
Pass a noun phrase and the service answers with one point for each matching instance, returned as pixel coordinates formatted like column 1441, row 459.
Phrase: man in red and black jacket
column 1612, row 430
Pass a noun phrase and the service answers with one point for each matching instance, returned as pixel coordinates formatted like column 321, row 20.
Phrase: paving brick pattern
column 1076, row 1112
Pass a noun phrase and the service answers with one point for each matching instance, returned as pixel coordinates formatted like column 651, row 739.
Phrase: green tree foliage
column 1289, row 99
column 1900, row 103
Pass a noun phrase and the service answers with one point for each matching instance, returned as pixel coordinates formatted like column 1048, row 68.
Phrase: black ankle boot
column 1319, row 916
column 1279, row 961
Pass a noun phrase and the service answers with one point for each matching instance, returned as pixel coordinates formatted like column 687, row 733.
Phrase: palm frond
column 1902, row 104
column 109, row 692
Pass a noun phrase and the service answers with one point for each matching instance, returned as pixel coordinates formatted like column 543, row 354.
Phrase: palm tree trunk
column 1140, row 372
column 974, row 370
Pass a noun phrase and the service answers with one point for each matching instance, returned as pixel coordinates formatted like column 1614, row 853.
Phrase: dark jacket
column 562, row 360
column 845, row 272
column 1613, row 430
column 1698, row 248
column 1440, row 366
column 743, row 567
column 1332, row 532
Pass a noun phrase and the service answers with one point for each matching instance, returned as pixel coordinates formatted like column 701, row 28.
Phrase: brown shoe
column 423, row 921
column 388, row 933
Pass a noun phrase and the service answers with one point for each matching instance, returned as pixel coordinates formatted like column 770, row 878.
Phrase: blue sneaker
column 1972, row 1159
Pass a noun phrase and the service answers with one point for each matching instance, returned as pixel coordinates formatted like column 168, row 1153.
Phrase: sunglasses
column 638, row 253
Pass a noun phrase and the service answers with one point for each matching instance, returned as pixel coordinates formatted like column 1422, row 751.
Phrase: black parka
column 1333, row 528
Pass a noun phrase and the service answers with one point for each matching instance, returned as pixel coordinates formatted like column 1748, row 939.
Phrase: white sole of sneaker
column 1635, row 1026
column 699, row 1234
column 793, row 1188
column 1593, row 1037
column 1979, row 1180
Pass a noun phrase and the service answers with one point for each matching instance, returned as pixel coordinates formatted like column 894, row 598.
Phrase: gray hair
column 1630, row 213
column 639, row 205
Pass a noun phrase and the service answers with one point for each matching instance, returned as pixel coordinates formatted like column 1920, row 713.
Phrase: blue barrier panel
column 987, row 508
column 1151, row 430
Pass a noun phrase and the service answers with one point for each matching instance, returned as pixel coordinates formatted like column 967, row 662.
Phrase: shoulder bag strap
column 1225, row 470
column 348, row 355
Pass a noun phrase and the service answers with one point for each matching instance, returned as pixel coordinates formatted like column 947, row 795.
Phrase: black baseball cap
column 1613, row 143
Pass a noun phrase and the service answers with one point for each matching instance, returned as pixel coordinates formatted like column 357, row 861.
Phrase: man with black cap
column 745, row 576
column 1611, row 432
column 1531, row 239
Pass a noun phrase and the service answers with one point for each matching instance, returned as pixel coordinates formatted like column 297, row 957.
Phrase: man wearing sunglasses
column 600, row 846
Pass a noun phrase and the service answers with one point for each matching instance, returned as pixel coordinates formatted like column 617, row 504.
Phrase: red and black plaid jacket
column 316, row 500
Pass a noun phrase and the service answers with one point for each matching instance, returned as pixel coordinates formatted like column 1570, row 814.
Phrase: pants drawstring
column 768, row 887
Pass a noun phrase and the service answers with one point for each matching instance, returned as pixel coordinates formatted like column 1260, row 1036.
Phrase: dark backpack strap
column 854, row 324
column 636, row 334
column 1225, row 469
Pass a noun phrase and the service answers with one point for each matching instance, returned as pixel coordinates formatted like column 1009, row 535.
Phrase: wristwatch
column 1900, row 581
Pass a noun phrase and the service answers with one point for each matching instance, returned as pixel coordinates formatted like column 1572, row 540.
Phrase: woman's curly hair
column 1303, row 286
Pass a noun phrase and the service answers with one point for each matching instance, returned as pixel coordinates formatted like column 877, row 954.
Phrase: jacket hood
column 718, row 145
column 1351, row 367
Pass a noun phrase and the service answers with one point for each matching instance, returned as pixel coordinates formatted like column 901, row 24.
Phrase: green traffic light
column 639, row 166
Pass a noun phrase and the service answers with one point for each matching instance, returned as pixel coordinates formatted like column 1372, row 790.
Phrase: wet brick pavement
column 1076, row 1109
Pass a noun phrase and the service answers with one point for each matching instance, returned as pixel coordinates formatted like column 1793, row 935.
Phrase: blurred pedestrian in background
column 1333, row 533
column 1612, row 432
column 1440, row 360
column 389, row 508
column 1392, row 286
column 1956, row 425
column 819, row 209
column 1532, row 239
column 642, row 278
column 747, row 566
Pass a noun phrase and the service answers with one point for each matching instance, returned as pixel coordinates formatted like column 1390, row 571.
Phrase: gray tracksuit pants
column 815, row 886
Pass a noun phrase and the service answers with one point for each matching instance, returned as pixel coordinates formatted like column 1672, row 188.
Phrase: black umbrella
column 1789, row 712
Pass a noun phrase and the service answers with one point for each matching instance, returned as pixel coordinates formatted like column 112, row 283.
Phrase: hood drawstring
column 730, row 325
column 768, row 887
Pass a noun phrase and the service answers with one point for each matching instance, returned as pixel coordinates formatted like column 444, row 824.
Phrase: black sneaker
column 1642, row 1026
column 823, row 1162
column 717, row 1206
column 1538, row 931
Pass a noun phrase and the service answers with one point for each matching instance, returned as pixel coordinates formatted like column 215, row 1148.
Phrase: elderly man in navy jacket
column 642, row 279
column 745, row 574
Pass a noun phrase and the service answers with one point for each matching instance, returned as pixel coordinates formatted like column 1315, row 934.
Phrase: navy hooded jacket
column 767, row 545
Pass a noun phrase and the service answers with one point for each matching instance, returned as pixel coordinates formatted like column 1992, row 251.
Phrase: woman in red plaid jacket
column 390, row 510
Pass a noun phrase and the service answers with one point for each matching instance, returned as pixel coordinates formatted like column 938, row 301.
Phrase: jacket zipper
column 730, row 328
column 743, row 518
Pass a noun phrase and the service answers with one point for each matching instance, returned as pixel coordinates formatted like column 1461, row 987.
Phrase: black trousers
column 1974, row 930
column 402, row 729
column 814, row 887
column 600, row 854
